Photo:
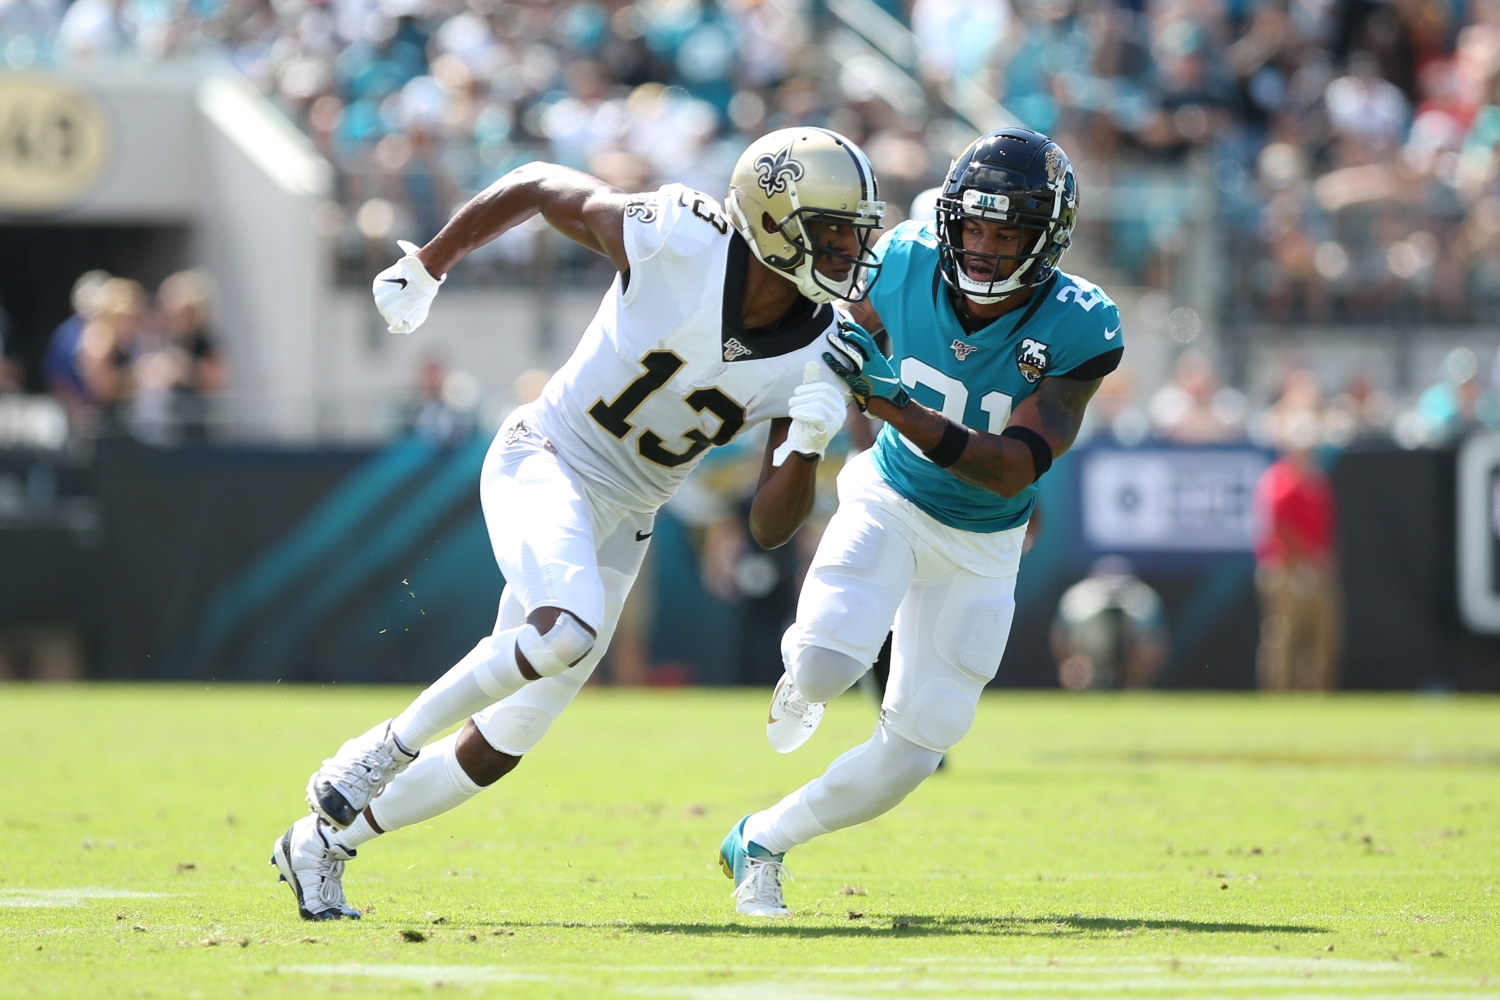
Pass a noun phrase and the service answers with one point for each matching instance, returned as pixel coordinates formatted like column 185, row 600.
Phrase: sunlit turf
column 1075, row 846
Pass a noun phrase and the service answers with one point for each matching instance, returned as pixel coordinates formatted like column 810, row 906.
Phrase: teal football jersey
column 974, row 379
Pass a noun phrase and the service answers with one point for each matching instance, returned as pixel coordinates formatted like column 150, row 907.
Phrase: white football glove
column 404, row 291
column 817, row 410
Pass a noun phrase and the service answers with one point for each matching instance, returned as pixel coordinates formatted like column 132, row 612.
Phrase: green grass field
column 1138, row 846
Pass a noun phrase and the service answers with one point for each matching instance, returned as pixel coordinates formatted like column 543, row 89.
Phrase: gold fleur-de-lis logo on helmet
column 775, row 169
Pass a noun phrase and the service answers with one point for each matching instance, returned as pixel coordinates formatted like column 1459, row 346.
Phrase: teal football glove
column 856, row 358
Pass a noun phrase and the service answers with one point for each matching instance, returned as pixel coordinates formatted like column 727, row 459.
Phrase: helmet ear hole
column 768, row 224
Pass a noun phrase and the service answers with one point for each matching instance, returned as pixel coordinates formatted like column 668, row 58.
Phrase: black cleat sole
column 333, row 915
column 330, row 803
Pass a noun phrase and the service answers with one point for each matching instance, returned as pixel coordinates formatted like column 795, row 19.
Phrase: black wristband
column 952, row 444
column 1041, row 451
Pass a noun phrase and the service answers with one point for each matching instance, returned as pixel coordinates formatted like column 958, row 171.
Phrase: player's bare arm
column 784, row 497
column 1002, row 465
column 581, row 207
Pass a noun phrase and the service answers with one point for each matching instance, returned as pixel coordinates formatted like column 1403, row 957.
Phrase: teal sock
column 756, row 851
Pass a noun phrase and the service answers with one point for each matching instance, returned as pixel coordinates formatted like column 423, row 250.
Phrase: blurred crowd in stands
column 128, row 361
column 1344, row 149
column 1348, row 144
column 1338, row 157
column 1195, row 407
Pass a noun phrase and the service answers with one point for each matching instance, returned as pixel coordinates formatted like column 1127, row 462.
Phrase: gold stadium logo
column 55, row 143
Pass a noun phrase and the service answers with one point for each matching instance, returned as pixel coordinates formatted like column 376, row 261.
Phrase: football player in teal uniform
column 995, row 353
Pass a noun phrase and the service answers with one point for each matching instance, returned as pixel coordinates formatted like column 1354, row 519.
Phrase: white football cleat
column 792, row 718
column 755, row 872
column 346, row 783
column 313, row 864
column 759, row 895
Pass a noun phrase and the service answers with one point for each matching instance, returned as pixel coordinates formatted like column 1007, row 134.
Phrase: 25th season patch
column 1032, row 359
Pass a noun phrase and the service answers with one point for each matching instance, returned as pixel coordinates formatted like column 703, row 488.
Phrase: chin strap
column 987, row 300
column 1008, row 287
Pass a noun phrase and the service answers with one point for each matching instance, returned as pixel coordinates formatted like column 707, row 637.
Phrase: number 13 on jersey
column 660, row 367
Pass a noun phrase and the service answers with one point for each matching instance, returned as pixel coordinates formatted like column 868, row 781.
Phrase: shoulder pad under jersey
column 675, row 220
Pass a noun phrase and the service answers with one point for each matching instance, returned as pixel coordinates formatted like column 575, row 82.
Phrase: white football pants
column 951, row 596
column 559, row 545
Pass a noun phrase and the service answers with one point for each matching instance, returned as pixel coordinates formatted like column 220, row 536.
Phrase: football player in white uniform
column 715, row 322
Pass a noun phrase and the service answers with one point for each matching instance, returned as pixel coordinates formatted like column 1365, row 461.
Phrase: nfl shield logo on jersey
column 734, row 349
column 962, row 350
column 1031, row 358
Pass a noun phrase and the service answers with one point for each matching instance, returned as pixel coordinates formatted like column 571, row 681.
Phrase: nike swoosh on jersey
column 397, row 281
column 1110, row 334
column 641, row 536
column 882, row 378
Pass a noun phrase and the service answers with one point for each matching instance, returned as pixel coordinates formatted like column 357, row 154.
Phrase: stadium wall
column 493, row 334
column 373, row 565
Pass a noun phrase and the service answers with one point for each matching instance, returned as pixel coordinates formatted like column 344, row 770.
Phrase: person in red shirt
column 1297, row 568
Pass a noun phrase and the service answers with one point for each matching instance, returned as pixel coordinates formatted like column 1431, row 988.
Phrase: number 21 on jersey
column 995, row 405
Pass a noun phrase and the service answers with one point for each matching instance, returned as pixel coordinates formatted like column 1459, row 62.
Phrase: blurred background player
column 1006, row 351
column 1296, row 571
column 1110, row 630
column 715, row 323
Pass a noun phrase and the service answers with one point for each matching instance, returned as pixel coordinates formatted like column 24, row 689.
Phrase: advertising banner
column 1171, row 499
column 1479, row 533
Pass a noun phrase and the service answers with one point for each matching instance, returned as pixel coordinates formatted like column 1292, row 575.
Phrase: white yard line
column 425, row 973
column 34, row 898
column 1144, row 977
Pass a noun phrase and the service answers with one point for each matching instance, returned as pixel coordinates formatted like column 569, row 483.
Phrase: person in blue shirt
column 61, row 370
column 995, row 353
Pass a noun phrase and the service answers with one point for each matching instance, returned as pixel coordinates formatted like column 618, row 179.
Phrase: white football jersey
column 665, row 370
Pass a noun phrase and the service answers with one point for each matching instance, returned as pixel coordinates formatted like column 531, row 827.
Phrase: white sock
column 784, row 825
column 866, row 782
column 361, row 832
column 434, row 784
column 486, row 675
